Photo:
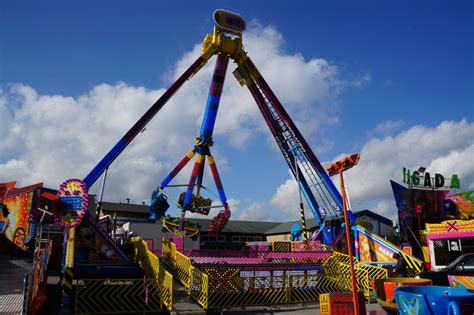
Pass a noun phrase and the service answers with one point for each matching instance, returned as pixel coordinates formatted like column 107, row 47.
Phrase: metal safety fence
column 154, row 272
column 240, row 287
column 222, row 286
column 337, row 267
column 194, row 280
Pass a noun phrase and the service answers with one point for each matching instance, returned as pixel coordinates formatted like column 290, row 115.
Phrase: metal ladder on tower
column 287, row 142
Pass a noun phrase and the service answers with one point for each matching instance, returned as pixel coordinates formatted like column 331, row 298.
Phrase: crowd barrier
column 117, row 296
column 223, row 286
column 337, row 266
column 161, row 279
column 151, row 294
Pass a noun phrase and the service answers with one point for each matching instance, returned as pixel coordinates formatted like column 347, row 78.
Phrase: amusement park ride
column 86, row 259
column 226, row 42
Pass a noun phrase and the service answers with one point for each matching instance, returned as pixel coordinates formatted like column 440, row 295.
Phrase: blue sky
column 399, row 76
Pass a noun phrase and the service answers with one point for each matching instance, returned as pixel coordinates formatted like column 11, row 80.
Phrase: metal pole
column 348, row 200
column 102, row 187
column 355, row 296
column 303, row 219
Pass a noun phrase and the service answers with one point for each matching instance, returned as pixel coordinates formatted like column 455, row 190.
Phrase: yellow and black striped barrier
column 303, row 223
column 67, row 285
column 228, row 286
column 337, row 266
column 117, row 296
column 281, row 246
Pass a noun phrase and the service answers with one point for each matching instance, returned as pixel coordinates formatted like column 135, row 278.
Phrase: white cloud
column 386, row 128
column 362, row 81
column 286, row 196
column 256, row 211
column 446, row 149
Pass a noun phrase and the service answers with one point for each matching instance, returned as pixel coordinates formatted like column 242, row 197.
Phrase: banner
column 16, row 207
column 371, row 251
column 460, row 205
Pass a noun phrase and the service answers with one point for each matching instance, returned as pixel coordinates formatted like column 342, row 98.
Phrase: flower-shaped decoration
column 74, row 202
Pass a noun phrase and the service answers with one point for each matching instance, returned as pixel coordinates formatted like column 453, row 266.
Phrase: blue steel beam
column 214, row 97
column 108, row 159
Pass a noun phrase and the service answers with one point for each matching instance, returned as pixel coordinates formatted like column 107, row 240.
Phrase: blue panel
column 166, row 181
column 329, row 234
column 71, row 203
column 210, row 114
column 212, row 118
column 187, row 199
column 90, row 179
column 213, row 99
column 204, row 120
column 356, row 236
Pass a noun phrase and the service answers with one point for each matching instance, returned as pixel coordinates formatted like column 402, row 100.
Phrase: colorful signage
column 74, row 202
column 451, row 226
column 324, row 304
column 15, row 213
column 448, row 240
column 229, row 21
column 420, row 178
column 371, row 251
column 461, row 205
column 466, row 282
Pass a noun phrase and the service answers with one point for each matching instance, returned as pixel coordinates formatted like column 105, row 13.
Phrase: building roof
column 234, row 226
column 285, row 227
column 124, row 207
column 245, row 227
column 374, row 215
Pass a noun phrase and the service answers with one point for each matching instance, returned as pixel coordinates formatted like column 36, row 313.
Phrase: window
column 468, row 264
column 122, row 220
column 242, row 239
column 213, row 238
column 447, row 250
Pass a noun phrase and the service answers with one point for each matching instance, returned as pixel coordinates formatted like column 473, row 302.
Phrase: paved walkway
column 285, row 309
column 12, row 273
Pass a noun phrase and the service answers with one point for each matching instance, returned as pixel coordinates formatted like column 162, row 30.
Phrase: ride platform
column 11, row 284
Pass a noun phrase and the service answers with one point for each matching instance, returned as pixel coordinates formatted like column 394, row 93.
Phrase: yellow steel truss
column 337, row 267
column 154, row 272
column 194, row 280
